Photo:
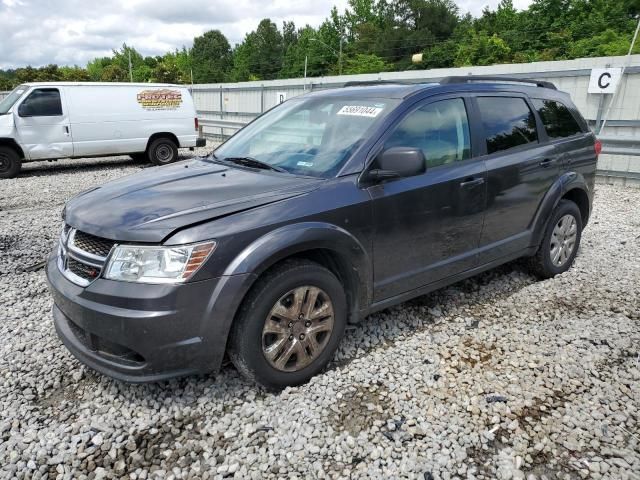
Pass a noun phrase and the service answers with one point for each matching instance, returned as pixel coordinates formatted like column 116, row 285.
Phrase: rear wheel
column 162, row 151
column 560, row 243
column 10, row 162
column 290, row 325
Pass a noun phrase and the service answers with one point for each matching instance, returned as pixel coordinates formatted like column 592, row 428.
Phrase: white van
column 52, row 120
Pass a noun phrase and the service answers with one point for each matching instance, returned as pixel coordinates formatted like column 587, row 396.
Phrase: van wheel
column 10, row 163
column 162, row 151
column 560, row 243
column 289, row 325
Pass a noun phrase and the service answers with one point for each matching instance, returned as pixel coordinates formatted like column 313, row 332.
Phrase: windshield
column 7, row 102
column 308, row 136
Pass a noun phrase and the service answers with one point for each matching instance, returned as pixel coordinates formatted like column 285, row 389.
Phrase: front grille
column 92, row 244
column 82, row 270
column 82, row 256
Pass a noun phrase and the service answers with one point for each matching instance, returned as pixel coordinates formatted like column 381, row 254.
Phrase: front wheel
column 289, row 326
column 10, row 163
column 560, row 243
column 162, row 151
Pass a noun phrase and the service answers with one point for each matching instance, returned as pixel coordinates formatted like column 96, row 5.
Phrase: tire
column 550, row 259
column 141, row 157
column 162, row 151
column 10, row 162
column 288, row 341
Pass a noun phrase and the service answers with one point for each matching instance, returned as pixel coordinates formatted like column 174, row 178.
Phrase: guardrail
column 221, row 124
column 620, row 145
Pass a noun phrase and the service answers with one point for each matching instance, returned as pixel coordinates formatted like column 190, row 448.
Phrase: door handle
column 65, row 128
column 547, row 162
column 472, row 182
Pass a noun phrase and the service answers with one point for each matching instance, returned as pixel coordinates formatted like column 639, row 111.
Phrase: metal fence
column 224, row 108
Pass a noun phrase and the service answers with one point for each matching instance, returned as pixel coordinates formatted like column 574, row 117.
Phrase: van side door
column 42, row 124
column 427, row 227
column 521, row 167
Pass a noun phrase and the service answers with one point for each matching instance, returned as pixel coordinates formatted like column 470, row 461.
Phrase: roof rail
column 364, row 83
column 497, row 79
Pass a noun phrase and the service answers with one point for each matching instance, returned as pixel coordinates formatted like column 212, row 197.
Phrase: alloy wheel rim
column 298, row 328
column 163, row 153
column 563, row 240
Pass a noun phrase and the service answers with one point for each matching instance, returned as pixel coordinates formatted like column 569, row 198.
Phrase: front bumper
column 201, row 142
column 145, row 333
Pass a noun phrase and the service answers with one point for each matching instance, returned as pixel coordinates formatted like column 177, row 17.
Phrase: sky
column 72, row 32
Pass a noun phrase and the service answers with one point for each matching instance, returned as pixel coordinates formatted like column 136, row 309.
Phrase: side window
column 439, row 129
column 508, row 122
column 43, row 102
column 557, row 118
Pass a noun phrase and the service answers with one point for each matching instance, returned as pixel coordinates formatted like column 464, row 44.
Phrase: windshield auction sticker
column 164, row 99
column 360, row 111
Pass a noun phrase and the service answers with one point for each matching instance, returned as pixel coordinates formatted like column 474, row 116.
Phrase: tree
column 362, row 63
column 483, row 49
column 212, row 58
column 114, row 73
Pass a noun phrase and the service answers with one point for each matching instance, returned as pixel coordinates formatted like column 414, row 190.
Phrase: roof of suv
column 400, row 90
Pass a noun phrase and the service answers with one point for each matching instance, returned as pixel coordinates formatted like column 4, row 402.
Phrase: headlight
column 151, row 264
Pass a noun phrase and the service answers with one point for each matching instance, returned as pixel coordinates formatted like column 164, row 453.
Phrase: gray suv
column 327, row 208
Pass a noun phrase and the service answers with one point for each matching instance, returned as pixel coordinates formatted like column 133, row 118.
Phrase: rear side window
column 43, row 102
column 508, row 122
column 557, row 118
column 439, row 129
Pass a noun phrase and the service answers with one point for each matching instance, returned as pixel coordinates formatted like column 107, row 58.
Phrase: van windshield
column 308, row 136
column 7, row 102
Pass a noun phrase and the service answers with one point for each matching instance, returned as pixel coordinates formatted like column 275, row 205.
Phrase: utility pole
column 130, row 69
column 340, row 58
column 304, row 88
column 624, row 67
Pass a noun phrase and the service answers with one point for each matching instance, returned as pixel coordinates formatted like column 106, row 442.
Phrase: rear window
column 557, row 118
column 508, row 122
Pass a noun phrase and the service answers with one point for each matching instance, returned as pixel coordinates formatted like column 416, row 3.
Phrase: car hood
column 150, row 205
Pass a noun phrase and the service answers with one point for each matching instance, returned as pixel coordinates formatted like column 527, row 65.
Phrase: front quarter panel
column 335, row 217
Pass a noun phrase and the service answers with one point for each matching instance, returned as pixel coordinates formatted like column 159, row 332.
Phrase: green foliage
column 482, row 49
column 260, row 55
column 363, row 63
column 211, row 57
column 375, row 36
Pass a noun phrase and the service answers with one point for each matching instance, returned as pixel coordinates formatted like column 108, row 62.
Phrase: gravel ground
column 499, row 376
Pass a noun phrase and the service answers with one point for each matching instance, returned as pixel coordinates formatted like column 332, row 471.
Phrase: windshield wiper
column 254, row 163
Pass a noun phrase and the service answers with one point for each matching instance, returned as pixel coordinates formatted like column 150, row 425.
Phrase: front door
column 42, row 125
column 427, row 227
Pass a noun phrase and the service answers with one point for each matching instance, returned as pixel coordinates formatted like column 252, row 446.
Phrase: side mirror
column 398, row 162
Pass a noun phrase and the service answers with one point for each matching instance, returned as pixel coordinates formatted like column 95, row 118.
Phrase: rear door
column 42, row 123
column 427, row 227
column 521, row 166
column 569, row 135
